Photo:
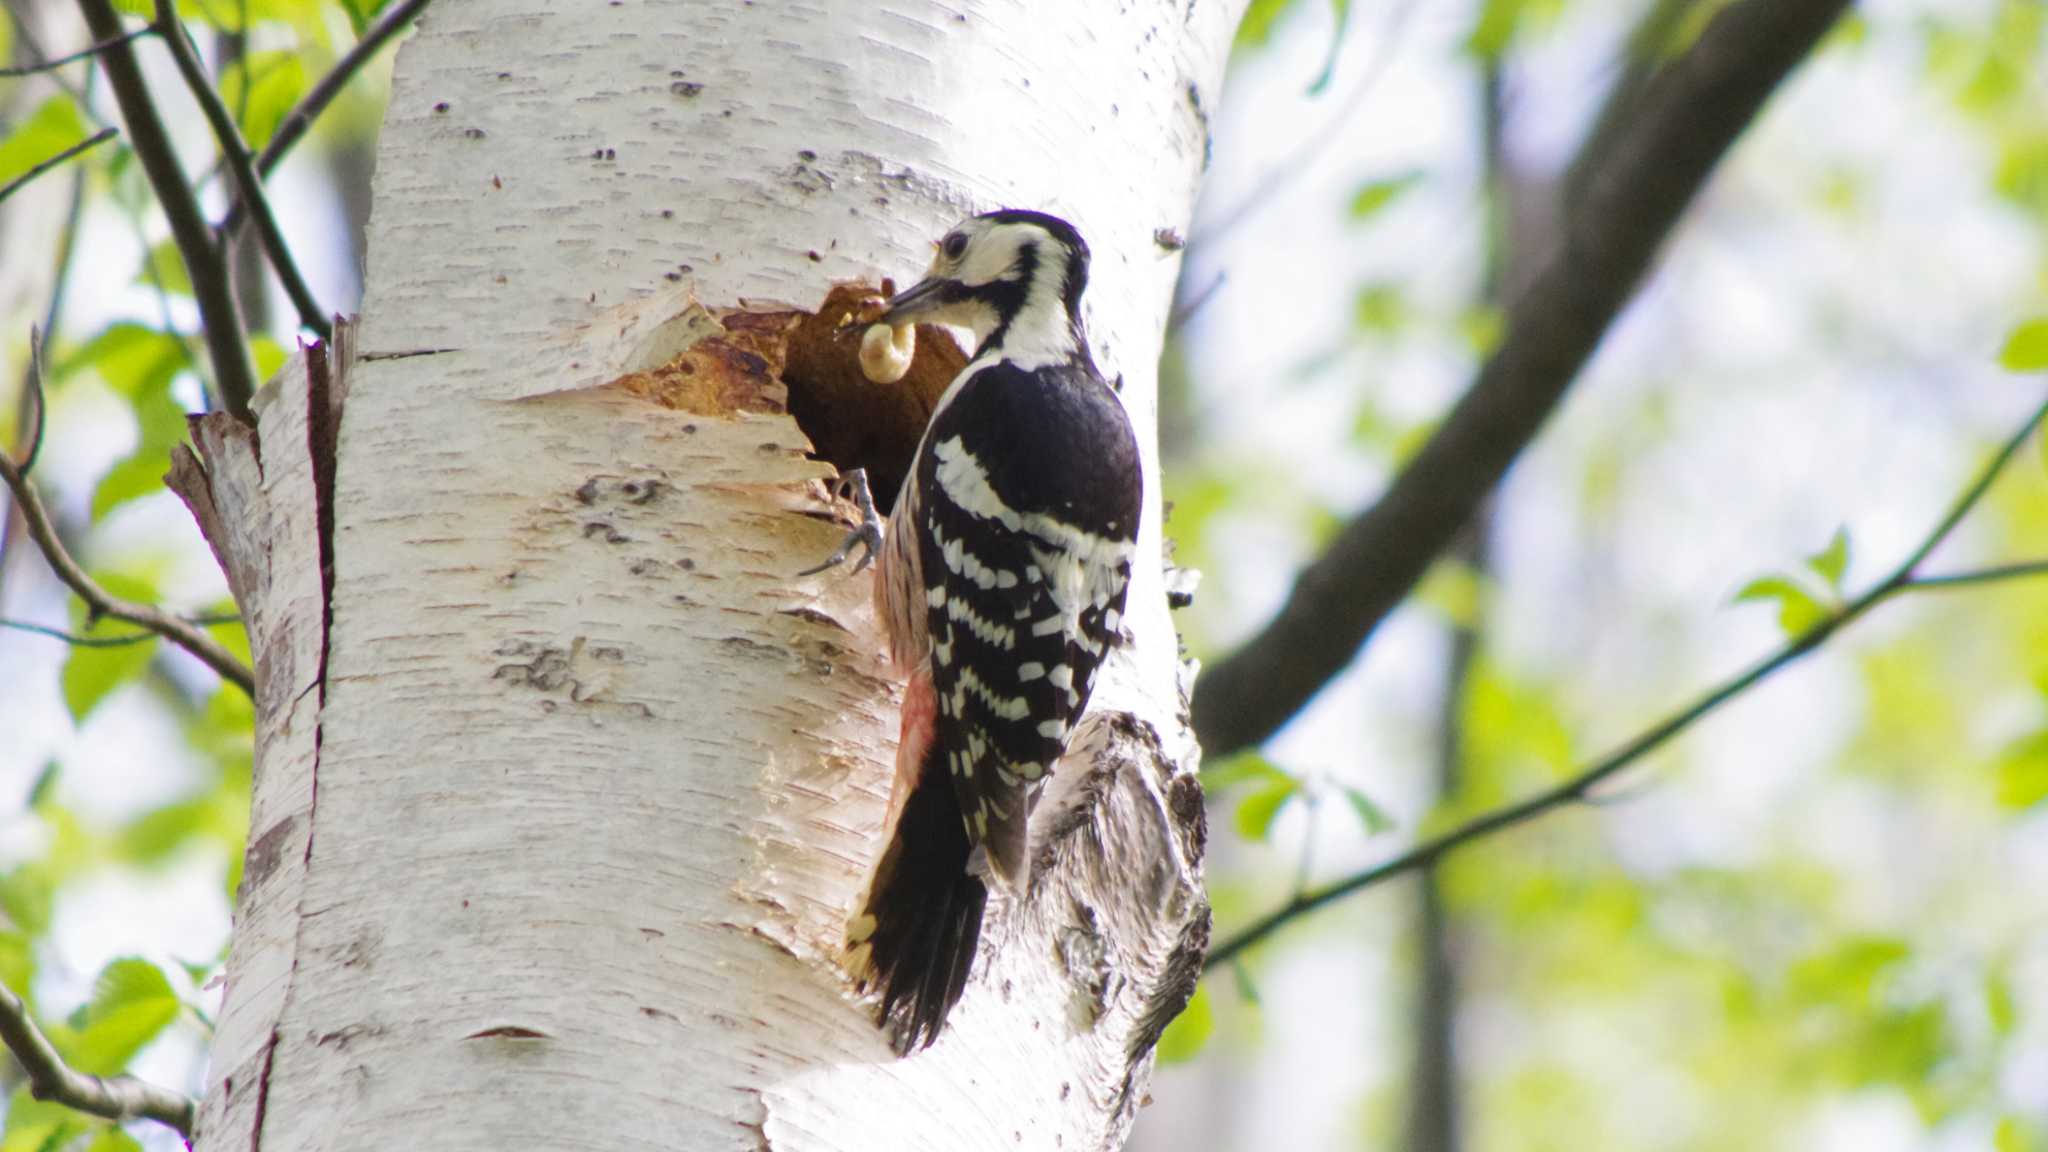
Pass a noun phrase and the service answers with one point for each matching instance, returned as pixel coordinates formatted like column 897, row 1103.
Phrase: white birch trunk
column 560, row 855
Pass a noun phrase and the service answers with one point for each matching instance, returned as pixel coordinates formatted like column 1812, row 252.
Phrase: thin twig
column 115, row 1098
column 297, row 122
column 80, row 148
column 80, row 640
column 1978, row 576
column 29, row 402
column 67, row 246
column 1302, row 159
column 82, row 53
column 35, row 393
column 248, row 186
column 226, row 343
column 99, row 602
column 1902, row 579
column 1186, row 312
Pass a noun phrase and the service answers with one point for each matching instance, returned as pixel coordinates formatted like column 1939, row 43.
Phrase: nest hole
column 852, row 421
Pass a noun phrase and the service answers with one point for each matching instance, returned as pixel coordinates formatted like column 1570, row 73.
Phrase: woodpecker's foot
column 867, row 537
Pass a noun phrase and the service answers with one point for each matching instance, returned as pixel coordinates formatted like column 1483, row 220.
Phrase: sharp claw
column 867, row 537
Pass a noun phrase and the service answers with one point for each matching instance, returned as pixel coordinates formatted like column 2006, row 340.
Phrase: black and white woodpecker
column 1001, row 582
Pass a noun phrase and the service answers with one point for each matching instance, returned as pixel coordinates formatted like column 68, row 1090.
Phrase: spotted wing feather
column 1031, row 536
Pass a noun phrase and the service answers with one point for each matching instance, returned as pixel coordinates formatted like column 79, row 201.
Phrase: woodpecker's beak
column 919, row 300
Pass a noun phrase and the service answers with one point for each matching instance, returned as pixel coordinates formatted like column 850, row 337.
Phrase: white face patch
column 1040, row 332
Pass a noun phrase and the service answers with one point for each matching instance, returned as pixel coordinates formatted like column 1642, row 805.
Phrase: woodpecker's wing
column 1029, row 495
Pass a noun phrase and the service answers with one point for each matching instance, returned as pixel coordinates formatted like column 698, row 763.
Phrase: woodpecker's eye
column 954, row 245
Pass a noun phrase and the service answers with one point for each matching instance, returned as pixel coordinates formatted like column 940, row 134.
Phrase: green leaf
column 2026, row 349
column 165, row 267
column 54, row 126
column 269, row 355
column 274, row 82
column 17, row 961
column 91, row 674
column 1370, row 814
column 113, row 1139
column 1832, row 562
column 358, row 15
column 2015, row 1135
column 46, row 780
column 36, row 1125
column 1256, row 28
column 1241, row 975
column 1376, row 196
column 1256, row 813
column 153, row 836
column 2023, row 772
column 161, row 423
column 1482, row 329
column 1243, row 768
column 1454, row 590
column 227, row 15
column 133, row 359
column 1999, row 1005
column 1190, row 1031
column 1798, row 611
column 26, row 895
column 1380, row 309
column 131, row 1004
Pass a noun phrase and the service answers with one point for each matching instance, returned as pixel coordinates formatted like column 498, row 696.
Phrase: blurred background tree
column 1806, row 923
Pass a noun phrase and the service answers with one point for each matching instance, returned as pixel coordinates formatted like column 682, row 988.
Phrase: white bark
column 597, row 779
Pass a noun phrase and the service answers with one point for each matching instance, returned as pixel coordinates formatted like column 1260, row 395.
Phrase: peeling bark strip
column 261, row 499
column 599, row 777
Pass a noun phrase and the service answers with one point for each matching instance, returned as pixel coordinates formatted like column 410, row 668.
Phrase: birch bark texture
column 560, row 851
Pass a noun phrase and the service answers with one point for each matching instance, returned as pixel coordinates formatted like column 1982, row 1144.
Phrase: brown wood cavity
column 808, row 365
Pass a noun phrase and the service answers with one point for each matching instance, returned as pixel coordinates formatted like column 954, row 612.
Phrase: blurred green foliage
column 58, row 848
column 1687, row 997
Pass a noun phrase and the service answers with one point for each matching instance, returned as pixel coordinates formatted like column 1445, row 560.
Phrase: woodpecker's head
column 1013, row 277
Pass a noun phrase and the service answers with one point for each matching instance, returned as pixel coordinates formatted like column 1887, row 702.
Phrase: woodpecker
column 1001, row 581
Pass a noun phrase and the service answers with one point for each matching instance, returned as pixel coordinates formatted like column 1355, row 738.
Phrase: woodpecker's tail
column 916, row 937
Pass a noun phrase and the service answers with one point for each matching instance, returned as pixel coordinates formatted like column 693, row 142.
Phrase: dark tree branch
column 80, row 640
column 113, row 1098
column 99, row 602
column 1903, row 579
column 300, row 120
column 248, row 186
column 78, row 149
column 1689, row 115
column 82, row 53
column 226, row 344
column 1648, row 42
